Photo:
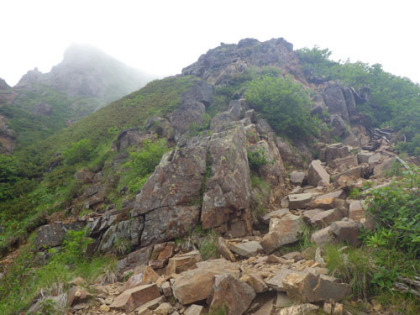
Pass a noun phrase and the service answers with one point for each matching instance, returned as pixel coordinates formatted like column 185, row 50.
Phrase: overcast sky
column 163, row 36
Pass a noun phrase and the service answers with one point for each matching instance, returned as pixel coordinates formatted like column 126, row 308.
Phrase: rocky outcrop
column 227, row 60
column 7, row 137
column 226, row 198
column 170, row 200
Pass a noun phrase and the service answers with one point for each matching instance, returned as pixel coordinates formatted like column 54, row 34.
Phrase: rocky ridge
column 205, row 180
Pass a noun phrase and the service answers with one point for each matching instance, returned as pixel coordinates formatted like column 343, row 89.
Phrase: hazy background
column 163, row 36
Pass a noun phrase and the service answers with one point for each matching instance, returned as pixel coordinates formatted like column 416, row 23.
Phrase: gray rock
column 297, row 178
column 317, row 173
column 346, row 231
column 248, row 249
column 325, row 218
column 50, row 235
column 300, row 201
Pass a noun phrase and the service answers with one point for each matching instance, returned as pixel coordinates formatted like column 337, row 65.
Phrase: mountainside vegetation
column 212, row 152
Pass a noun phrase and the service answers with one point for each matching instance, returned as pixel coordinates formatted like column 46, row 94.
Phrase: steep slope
column 86, row 80
column 209, row 151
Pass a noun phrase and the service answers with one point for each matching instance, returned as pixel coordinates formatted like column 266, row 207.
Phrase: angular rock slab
column 317, row 174
column 183, row 262
column 300, row 201
column 196, row 285
column 314, row 288
column 284, row 230
column 248, row 249
column 231, row 293
column 130, row 299
column 307, row 309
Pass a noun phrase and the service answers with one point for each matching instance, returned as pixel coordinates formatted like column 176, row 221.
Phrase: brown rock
column 307, row 287
column 355, row 172
column 135, row 297
column 307, row 309
column 194, row 310
column 183, row 262
column 317, row 173
column 267, row 308
column 356, row 211
column 327, row 201
column 76, row 295
column 276, row 282
column 166, row 289
column 143, row 275
column 146, row 308
column 346, row 231
column 255, row 281
column 335, row 151
column 233, row 294
column 285, row 230
column 345, row 163
column 326, row 217
column 322, row 237
column 163, row 309
column 161, row 254
column 274, row 214
column 224, row 250
column 196, row 285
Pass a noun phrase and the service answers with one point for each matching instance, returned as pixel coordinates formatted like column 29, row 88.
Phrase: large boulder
column 50, row 235
column 317, row 174
column 170, row 199
column 307, row 287
column 232, row 294
column 227, row 193
column 284, row 230
column 336, row 102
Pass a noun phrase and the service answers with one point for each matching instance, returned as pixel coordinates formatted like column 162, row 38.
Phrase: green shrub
column 78, row 152
column 144, row 161
column 396, row 212
column 285, row 105
column 256, row 159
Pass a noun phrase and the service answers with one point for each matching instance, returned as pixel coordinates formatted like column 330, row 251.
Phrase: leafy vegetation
column 391, row 100
column 23, row 280
column 285, row 105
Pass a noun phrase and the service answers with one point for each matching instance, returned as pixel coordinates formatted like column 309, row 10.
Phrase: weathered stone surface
column 300, row 201
column 163, row 309
column 50, row 235
column 166, row 289
column 183, row 262
column 248, row 249
column 194, row 309
column 336, row 102
column 321, row 237
column 297, row 178
column 139, row 257
column 166, row 199
column 77, row 294
column 326, row 217
column 380, row 169
column 344, row 163
column 135, row 297
column 142, row 276
column 196, row 285
column 327, row 201
column 307, row 287
column 335, row 151
column 284, row 230
column 309, row 214
column 146, row 308
column 375, row 158
column 266, row 309
column 355, row 172
column 276, row 282
column 255, row 281
column 125, row 231
column 307, row 309
column 274, row 214
column 317, row 173
column 231, row 293
column 161, row 254
column 160, row 126
column 363, row 156
column 356, row 211
column 224, row 251
column 193, row 105
column 227, row 193
column 346, row 231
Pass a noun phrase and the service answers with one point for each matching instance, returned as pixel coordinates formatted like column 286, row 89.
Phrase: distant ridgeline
column 41, row 104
